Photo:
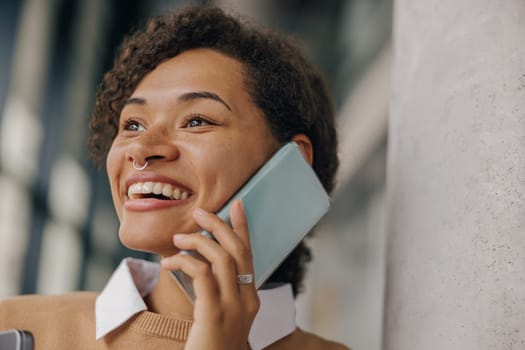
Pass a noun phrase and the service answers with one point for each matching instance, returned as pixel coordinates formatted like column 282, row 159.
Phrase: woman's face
column 195, row 124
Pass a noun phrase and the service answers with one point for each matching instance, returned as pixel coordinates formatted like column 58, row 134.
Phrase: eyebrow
column 135, row 101
column 189, row 96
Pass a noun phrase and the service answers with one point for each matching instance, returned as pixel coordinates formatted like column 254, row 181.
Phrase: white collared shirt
column 123, row 295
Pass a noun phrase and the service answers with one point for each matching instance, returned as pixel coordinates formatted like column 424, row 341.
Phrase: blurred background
column 58, row 229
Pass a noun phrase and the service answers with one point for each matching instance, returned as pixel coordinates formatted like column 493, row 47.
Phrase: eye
column 132, row 125
column 195, row 121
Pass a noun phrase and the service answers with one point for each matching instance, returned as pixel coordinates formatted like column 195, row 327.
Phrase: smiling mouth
column 157, row 190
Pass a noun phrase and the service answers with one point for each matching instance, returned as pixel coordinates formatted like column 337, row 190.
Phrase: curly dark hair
column 290, row 91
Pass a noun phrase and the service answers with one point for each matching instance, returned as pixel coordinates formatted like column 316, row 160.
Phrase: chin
column 147, row 240
column 153, row 232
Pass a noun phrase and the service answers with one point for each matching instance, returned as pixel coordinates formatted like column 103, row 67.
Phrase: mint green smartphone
column 15, row 339
column 282, row 203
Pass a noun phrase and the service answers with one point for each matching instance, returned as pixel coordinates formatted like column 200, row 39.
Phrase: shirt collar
column 122, row 297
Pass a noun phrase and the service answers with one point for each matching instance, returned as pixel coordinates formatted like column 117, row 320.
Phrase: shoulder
column 56, row 322
column 64, row 301
column 300, row 339
column 27, row 309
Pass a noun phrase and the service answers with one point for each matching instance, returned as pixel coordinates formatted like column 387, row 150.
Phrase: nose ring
column 134, row 165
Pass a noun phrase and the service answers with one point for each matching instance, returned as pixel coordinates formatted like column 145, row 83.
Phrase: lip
column 146, row 204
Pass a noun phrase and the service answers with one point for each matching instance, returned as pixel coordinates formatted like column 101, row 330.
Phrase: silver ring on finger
column 245, row 279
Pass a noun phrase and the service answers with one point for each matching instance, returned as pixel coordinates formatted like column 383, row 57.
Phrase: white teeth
column 157, row 188
column 147, row 187
column 135, row 188
column 167, row 190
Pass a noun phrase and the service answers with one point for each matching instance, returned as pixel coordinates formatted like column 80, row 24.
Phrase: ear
column 305, row 146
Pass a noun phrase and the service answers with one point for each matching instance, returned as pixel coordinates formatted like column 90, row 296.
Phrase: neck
column 168, row 298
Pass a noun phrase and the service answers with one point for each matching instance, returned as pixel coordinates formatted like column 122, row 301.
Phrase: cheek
column 219, row 171
column 229, row 165
column 211, row 163
column 113, row 168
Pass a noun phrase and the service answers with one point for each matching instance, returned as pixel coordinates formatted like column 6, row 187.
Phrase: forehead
column 197, row 69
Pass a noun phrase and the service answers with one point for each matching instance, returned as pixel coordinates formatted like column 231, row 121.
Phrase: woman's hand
column 224, row 310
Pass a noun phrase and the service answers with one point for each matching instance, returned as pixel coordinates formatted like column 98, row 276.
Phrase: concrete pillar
column 456, row 177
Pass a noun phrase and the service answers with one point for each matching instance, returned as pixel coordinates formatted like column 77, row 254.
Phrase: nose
column 152, row 146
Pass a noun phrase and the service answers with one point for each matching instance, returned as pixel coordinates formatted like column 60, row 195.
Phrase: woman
column 196, row 103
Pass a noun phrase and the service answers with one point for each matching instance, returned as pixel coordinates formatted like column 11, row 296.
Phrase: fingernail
column 200, row 212
column 239, row 203
column 179, row 237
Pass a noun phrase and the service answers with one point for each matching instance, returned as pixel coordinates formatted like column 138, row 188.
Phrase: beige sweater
column 68, row 322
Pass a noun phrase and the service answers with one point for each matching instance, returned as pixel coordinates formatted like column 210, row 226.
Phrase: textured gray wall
column 456, row 177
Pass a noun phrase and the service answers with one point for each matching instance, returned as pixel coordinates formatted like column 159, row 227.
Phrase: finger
column 240, row 227
column 222, row 263
column 239, row 222
column 232, row 243
column 200, row 272
column 236, row 244
column 248, row 293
